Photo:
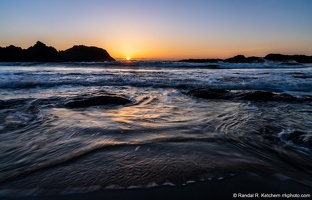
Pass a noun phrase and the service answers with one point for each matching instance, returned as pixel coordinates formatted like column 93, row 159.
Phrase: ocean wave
column 165, row 75
column 144, row 64
column 161, row 135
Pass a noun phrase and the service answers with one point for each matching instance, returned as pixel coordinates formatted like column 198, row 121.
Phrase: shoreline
column 245, row 185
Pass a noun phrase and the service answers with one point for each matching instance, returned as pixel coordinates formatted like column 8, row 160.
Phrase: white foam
column 151, row 184
column 190, row 182
column 168, row 184
column 110, row 187
column 134, row 187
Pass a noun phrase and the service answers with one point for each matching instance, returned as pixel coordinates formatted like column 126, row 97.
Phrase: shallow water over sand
column 163, row 137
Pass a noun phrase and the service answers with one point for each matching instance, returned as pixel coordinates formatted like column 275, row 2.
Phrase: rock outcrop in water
column 207, row 60
column 249, row 95
column 42, row 53
column 72, row 102
column 300, row 138
column 96, row 101
column 243, row 59
column 288, row 58
column 253, row 59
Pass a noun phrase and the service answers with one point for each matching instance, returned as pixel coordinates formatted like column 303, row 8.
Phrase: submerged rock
column 209, row 93
column 259, row 95
column 10, row 103
column 96, row 101
column 300, row 138
column 250, row 95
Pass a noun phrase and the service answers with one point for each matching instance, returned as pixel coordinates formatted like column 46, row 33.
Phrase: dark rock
column 243, row 59
column 249, row 95
column 200, row 60
column 257, row 95
column 288, row 97
column 301, row 138
column 254, row 59
column 295, row 134
column 286, row 59
column 88, row 54
column 209, row 93
column 42, row 53
column 12, row 54
column 10, row 103
column 289, row 58
column 270, row 133
column 96, row 101
column 236, row 59
column 303, row 76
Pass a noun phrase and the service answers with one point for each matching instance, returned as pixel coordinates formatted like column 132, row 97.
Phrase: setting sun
column 128, row 58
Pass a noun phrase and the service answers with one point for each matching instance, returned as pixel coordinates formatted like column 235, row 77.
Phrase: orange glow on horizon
column 144, row 48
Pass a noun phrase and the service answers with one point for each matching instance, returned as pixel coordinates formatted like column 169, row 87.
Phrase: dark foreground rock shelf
column 71, row 102
column 42, row 53
column 249, row 95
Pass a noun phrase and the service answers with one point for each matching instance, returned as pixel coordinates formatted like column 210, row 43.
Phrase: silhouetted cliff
column 12, row 54
column 42, row 53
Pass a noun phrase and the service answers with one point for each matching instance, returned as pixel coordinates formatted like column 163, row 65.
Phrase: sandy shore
column 234, row 187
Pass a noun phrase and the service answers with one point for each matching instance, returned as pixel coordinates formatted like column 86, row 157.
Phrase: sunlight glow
column 128, row 58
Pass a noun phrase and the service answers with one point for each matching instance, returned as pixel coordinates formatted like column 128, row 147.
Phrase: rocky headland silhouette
column 43, row 53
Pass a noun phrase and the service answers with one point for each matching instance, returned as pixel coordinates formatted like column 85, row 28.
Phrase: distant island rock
column 42, row 53
column 205, row 60
column 243, row 59
column 287, row 58
column 253, row 59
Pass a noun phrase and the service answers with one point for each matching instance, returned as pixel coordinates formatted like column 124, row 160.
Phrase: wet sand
column 230, row 188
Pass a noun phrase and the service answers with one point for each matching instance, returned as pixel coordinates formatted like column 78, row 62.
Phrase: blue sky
column 167, row 29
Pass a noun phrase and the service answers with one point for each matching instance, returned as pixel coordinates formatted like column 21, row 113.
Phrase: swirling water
column 163, row 137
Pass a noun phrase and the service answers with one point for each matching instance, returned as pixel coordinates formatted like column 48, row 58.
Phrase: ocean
column 162, row 136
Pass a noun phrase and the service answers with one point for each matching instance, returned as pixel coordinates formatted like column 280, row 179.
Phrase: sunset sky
column 162, row 29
